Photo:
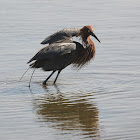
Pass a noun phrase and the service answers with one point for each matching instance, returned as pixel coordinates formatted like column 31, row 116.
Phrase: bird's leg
column 44, row 83
column 57, row 76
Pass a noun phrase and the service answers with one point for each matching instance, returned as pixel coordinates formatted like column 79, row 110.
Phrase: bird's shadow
column 66, row 111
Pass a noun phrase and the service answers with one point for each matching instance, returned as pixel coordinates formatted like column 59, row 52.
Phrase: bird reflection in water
column 69, row 113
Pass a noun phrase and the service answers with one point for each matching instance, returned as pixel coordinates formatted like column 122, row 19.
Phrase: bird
column 63, row 51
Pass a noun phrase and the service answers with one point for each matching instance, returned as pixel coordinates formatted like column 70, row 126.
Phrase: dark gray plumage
column 64, row 35
column 63, row 51
column 54, row 50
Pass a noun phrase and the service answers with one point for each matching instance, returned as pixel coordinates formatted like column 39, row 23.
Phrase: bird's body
column 60, row 54
column 63, row 51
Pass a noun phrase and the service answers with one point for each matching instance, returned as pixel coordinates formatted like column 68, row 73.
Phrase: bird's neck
column 84, row 37
column 88, row 43
column 86, row 54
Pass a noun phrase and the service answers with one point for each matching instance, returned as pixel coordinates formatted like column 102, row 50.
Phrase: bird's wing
column 54, row 51
column 64, row 35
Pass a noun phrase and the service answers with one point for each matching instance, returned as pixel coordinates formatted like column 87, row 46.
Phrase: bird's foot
column 44, row 83
column 54, row 83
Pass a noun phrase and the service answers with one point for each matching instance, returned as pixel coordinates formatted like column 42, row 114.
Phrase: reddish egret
column 63, row 51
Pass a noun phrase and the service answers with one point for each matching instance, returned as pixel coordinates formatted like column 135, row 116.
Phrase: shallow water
column 100, row 101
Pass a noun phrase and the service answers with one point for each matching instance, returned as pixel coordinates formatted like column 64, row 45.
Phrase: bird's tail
column 32, row 65
column 37, row 64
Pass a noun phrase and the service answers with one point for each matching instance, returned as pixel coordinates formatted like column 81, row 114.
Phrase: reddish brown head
column 86, row 31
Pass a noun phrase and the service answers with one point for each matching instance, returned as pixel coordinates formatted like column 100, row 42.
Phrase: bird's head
column 86, row 31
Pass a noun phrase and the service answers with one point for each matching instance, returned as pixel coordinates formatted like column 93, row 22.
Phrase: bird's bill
column 95, row 36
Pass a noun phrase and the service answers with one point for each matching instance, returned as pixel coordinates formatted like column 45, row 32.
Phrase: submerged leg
column 57, row 76
column 44, row 83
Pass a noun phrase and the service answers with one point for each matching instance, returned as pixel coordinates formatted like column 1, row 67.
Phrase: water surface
column 100, row 101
